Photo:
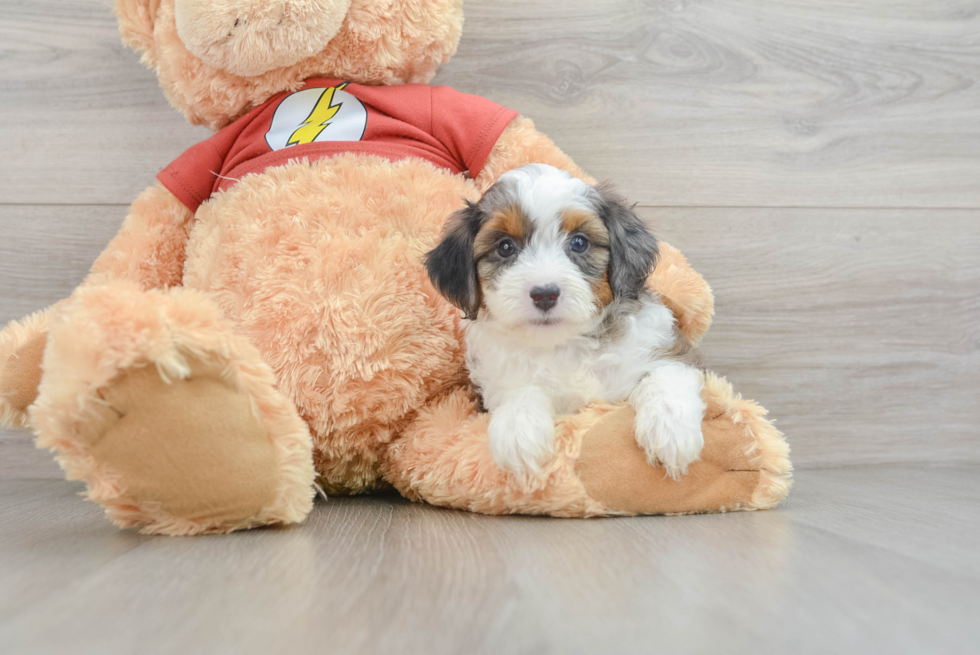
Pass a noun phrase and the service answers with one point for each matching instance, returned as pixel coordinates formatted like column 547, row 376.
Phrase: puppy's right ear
column 450, row 265
column 632, row 247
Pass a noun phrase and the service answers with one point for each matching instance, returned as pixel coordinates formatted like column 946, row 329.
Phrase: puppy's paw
column 671, row 439
column 669, row 411
column 521, row 440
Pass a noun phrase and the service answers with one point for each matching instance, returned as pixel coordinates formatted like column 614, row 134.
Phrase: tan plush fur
column 213, row 365
column 379, row 43
column 765, row 446
column 520, row 144
column 458, row 471
column 249, row 37
column 151, row 244
column 684, row 291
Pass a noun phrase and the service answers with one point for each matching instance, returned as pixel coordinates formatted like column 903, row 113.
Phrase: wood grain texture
column 83, row 121
column 688, row 103
column 857, row 561
column 858, row 329
column 843, row 103
column 45, row 252
column 21, row 460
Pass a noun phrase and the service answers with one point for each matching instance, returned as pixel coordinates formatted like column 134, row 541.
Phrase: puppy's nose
column 545, row 297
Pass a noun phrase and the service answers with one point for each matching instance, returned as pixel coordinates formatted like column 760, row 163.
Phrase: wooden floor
column 880, row 560
column 817, row 160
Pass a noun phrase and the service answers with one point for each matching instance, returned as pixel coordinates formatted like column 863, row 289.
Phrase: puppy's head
column 542, row 254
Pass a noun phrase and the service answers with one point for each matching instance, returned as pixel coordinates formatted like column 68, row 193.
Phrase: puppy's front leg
column 669, row 411
column 522, row 433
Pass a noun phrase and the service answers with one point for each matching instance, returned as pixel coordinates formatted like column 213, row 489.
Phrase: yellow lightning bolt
column 318, row 119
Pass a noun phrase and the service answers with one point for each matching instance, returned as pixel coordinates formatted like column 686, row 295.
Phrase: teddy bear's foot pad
column 21, row 351
column 191, row 449
column 744, row 465
column 20, row 375
column 614, row 471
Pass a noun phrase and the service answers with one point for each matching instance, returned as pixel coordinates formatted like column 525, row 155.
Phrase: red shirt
column 452, row 130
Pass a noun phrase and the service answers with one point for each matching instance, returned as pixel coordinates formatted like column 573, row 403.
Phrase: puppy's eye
column 506, row 248
column 578, row 244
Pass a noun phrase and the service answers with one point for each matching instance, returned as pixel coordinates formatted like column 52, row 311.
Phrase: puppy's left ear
column 450, row 264
column 632, row 247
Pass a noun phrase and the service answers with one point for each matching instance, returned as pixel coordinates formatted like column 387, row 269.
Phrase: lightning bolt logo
column 319, row 118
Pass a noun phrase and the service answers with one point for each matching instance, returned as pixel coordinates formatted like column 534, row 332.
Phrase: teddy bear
column 262, row 325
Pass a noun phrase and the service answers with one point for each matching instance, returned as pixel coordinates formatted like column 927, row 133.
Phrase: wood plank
column 927, row 514
column 745, row 103
column 858, row 329
column 45, row 253
column 83, row 121
column 47, row 250
column 376, row 575
column 721, row 102
column 21, row 460
column 38, row 514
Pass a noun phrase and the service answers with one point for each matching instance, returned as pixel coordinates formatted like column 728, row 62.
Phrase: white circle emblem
column 313, row 115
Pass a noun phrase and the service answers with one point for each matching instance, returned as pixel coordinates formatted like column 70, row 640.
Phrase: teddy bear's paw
column 22, row 346
column 20, row 375
column 171, row 418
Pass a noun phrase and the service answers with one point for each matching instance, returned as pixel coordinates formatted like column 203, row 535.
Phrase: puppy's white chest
column 568, row 376
column 574, row 373
column 502, row 368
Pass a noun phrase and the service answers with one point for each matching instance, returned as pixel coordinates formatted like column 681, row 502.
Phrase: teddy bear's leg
column 170, row 418
column 443, row 459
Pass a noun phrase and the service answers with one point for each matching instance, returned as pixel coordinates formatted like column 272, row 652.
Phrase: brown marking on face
column 578, row 221
column 594, row 262
column 511, row 220
column 601, row 290
column 508, row 221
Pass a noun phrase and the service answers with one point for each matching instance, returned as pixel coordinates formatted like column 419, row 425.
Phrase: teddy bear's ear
column 136, row 20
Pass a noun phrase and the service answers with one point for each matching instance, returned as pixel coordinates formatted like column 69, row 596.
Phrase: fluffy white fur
column 533, row 365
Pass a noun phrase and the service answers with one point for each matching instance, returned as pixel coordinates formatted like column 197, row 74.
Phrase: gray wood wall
column 817, row 160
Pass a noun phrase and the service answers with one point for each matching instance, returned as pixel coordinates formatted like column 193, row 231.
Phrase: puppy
column 551, row 275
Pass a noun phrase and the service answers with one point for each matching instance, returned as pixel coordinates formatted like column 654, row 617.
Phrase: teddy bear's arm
column 684, row 291
column 148, row 250
column 150, row 247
